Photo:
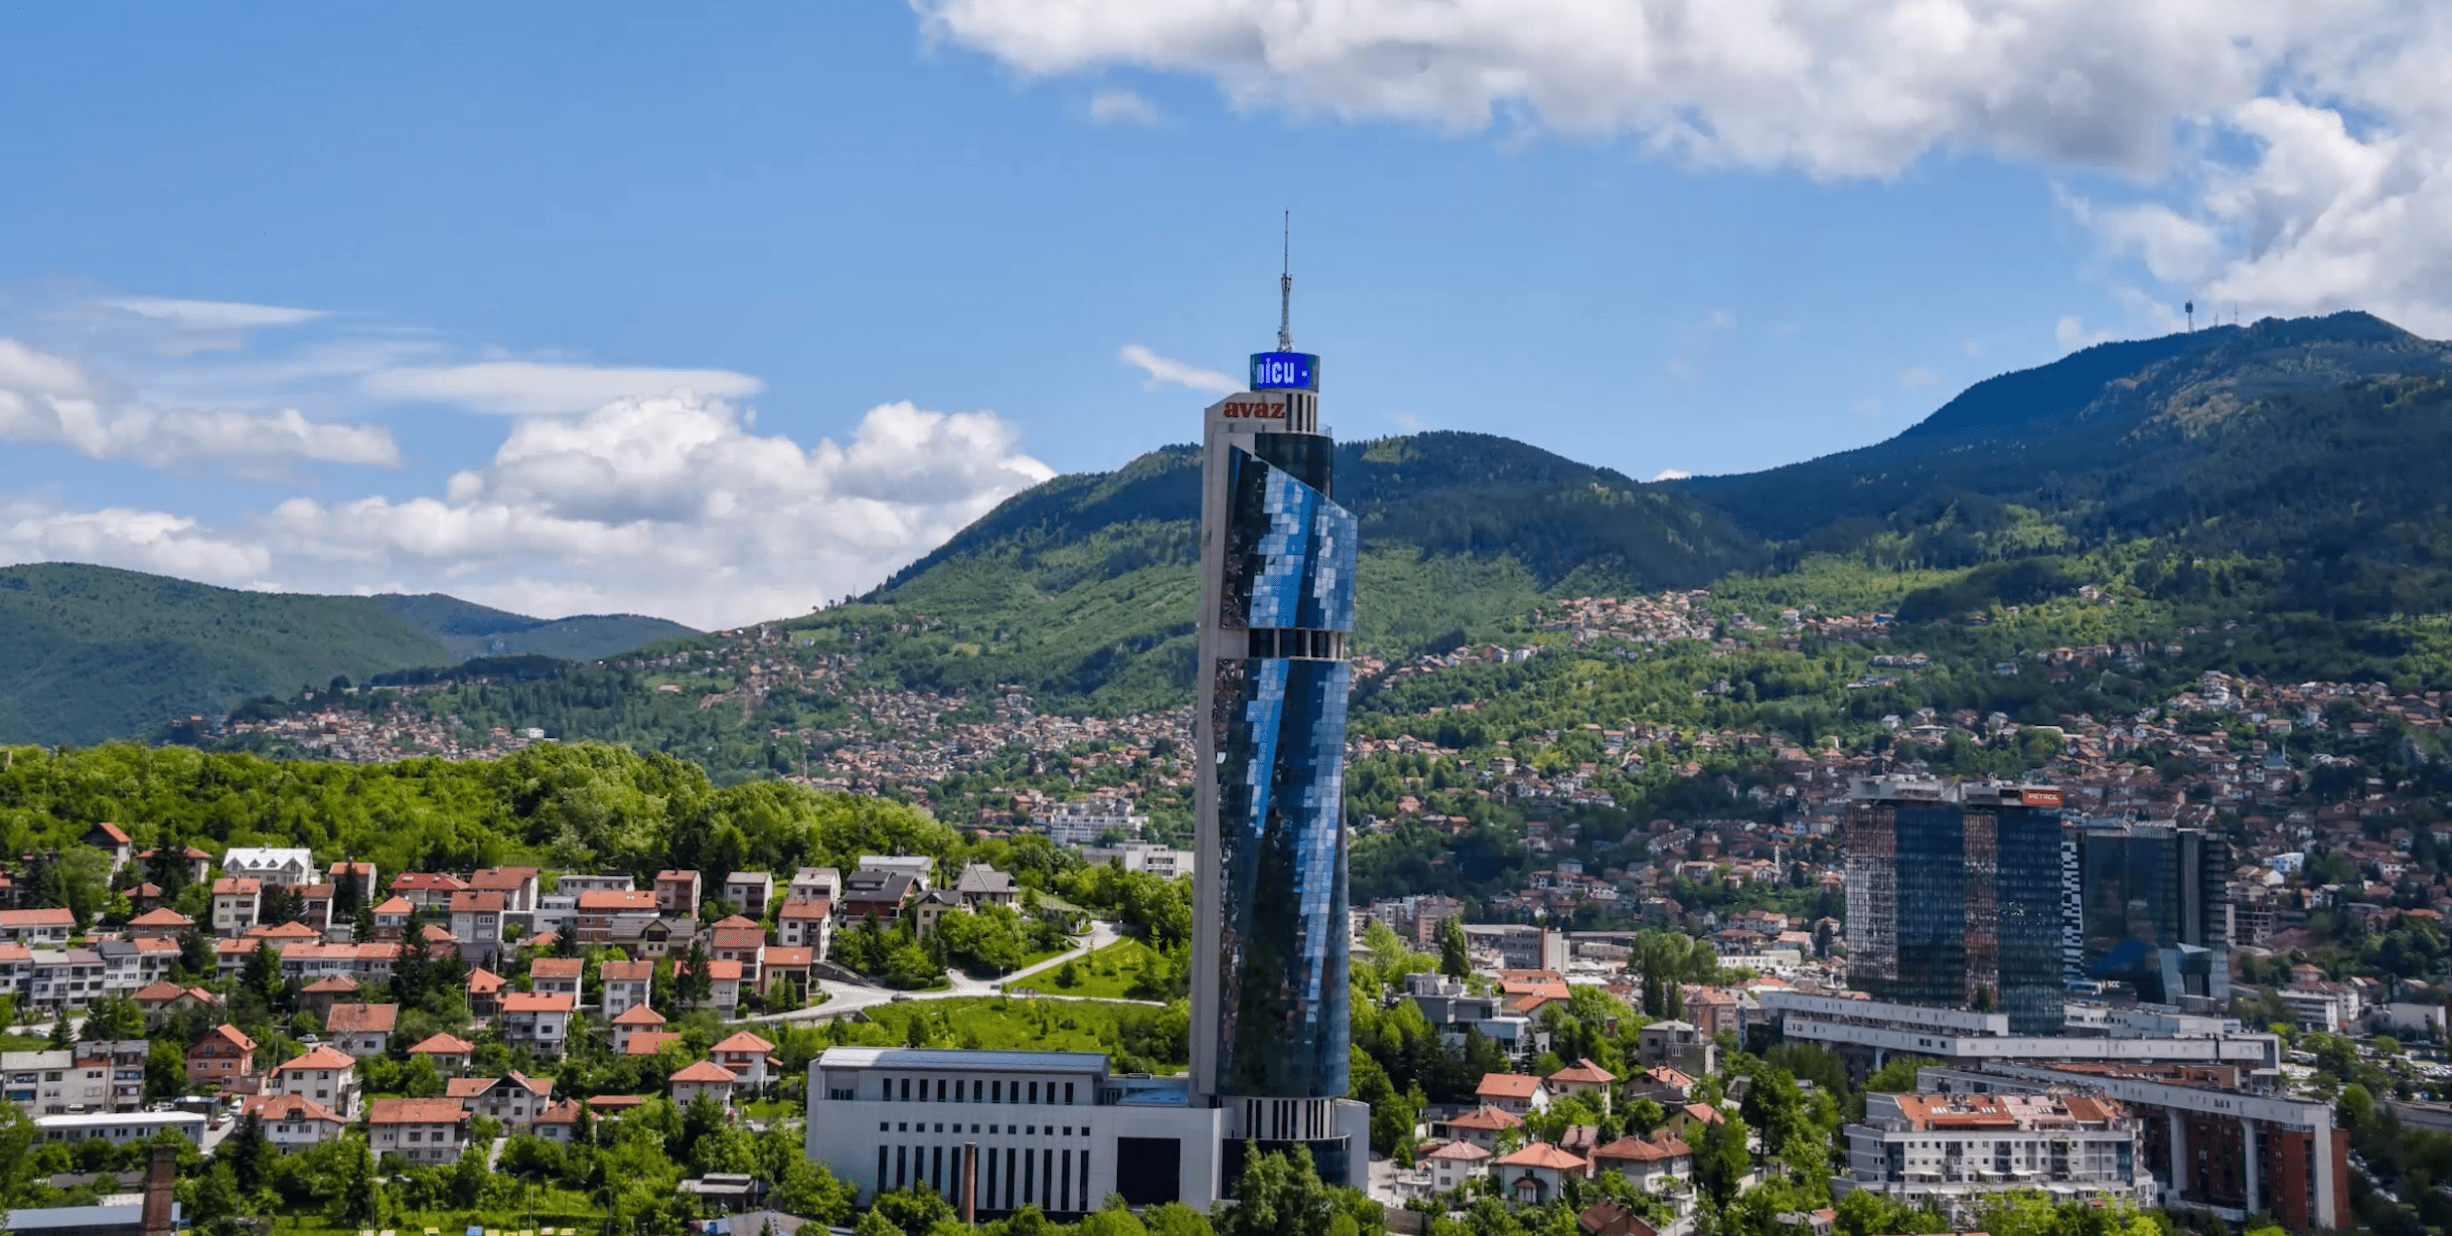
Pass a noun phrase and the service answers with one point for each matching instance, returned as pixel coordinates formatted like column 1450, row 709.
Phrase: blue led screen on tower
column 1285, row 371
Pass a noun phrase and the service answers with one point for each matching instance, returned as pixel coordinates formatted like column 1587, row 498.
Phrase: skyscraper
column 1954, row 896
column 1269, row 1032
column 2150, row 905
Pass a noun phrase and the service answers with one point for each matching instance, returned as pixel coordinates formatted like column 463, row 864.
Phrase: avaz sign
column 1285, row 371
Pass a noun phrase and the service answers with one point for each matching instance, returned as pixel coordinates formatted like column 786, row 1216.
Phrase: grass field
column 1107, row 974
column 1015, row 1023
column 555, row 1208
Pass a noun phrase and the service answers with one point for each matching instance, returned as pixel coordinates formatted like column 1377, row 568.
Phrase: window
column 906, row 1097
column 1068, row 1094
column 1034, row 1092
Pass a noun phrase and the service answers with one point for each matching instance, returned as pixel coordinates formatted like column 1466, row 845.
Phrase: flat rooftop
column 975, row 1061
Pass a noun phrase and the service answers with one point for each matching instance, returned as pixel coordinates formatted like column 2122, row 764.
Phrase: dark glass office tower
column 2153, row 902
column 1954, row 897
column 1269, row 1034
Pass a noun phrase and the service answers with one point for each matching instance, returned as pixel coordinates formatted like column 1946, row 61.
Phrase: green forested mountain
column 94, row 653
column 2278, row 473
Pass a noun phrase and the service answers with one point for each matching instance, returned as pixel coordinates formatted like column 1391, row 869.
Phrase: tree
column 248, row 1152
column 1720, row 1159
column 810, row 1191
column 113, row 1019
column 63, row 1035
column 18, row 1138
column 361, row 1195
column 912, row 1211
column 262, row 974
column 165, row 1070
column 1280, row 1196
column 1455, row 960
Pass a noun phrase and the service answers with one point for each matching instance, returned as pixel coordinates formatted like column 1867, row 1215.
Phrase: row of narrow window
column 972, row 1092
column 1047, row 1178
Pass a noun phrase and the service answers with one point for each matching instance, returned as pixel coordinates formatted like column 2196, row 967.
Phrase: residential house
column 559, row 1122
column 41, row 1083
column 236, row 902
column 1481, row 1126
column 485, row 990
column 651, row 937
column 427, row 890
column 789, row 969
column 983, row 885
column 574, row 883
column 164, row 921
column 516, row 1099
column 750, row 891
column 199, row 864
column 736, row 939
column 932, row 905
column 449, row 1053
column 314, row 905
column 817, row 882
column 294, row 1122
column 362, row 1030
column 542, row 1021
column 1535, row 1173
column 599, row 913
column 746, row 1056
column 1451, row 1164
column 319, row 996
column 222, row 1057
column 112, row 840
column 649, row 1042
column 1584, row 1079
column 476, row 925
column 1680, row 1046
column 1514, row 1093
column 627, row 984
column 805, row 922
column 872, row 894
column 37, row 927
column 724, row 984
column 677, row 893
column 327, row 1077
column 920, row 867
column 1663, row 1167
column 632, row 1021
column 392, row 917
column 705, row 1079
column 423, row 1131
column 556, row 975
column 68, row 979
column 362, row 875
column 122, row 1064
column 269, row 864
column 517, row 885
column 161, row 1001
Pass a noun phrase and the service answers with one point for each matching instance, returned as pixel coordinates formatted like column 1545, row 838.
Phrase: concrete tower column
column 2179, row 1152
column 2247, row 1135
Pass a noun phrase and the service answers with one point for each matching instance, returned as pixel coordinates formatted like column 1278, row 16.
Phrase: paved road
column 842, row 998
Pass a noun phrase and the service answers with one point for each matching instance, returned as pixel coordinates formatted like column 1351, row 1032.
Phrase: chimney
column 158, row 1173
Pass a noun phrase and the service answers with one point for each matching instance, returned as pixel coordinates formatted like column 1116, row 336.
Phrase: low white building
column 1954, row 1150
column 1084, row 820
column 1049, row 1129
column 270, row 864
column 1149, row 856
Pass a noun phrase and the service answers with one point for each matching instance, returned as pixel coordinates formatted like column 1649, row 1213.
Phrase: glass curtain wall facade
column 1954, row 899
column 1269, row 992
column 2152, row 904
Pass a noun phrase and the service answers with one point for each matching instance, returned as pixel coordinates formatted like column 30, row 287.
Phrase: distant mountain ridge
column 96, row 653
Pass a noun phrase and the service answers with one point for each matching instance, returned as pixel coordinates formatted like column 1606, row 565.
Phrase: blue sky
column 341, row 300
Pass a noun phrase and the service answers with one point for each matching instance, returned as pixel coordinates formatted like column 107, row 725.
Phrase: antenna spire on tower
column 1285, row 289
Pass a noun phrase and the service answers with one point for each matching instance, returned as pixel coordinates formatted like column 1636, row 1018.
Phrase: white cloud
column 1127, row 107
column 125, row 537
column 1671, row 474
column 1972, row 347
column 669, row 505
column 49, row 399
column 2293, row 156
column 532, row 388
column 1917, row 377
column 2071, row 334
column 1168, row 371
column 214, row 314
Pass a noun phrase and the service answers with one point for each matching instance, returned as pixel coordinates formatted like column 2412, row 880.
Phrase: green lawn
column 1000, row 1023
column 770, row 1109
column 1104, row 975
column 556, row 1208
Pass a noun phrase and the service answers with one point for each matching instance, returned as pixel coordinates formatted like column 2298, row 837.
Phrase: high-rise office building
column 2147, row 911
column 1954, row 896
column 995, row 1131
column 1269, row 1033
